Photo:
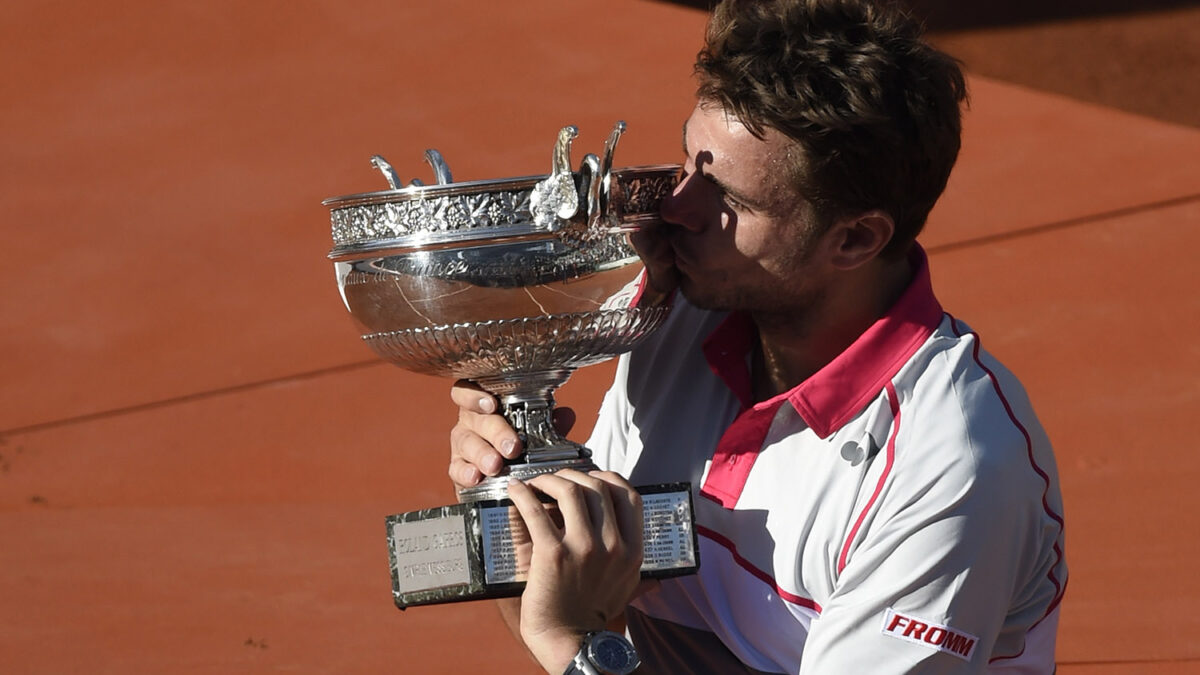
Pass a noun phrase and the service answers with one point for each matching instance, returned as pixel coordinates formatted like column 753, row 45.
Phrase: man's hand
column 654, row 247
column 584, row 572
column 482, row 439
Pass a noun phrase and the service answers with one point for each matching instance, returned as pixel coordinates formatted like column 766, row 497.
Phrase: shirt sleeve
column 610, row 436
column 952, row 568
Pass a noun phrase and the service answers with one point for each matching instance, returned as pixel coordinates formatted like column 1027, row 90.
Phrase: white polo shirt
column 899, row 511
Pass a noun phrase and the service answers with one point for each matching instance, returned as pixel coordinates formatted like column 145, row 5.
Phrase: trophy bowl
column 510, row 283
column 513, row 284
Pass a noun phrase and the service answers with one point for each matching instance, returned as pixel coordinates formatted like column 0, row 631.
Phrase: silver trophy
column 511, row 283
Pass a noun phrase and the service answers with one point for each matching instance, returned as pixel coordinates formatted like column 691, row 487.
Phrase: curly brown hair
column 874, row 108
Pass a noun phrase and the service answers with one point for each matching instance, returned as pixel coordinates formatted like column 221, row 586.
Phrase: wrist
column 554, row 650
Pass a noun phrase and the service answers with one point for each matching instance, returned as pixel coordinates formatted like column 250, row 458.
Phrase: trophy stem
column 527, row 402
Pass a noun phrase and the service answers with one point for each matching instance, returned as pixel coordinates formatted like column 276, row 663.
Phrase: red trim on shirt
column 840, row 390
column 736, row 453
column 641, row 289
column 1059, row 587
column 759, row 574
column 726, row 350
column 894, row 403
column 828, row 399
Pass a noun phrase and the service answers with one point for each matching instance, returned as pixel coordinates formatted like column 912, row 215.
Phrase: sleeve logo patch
column 922, row 632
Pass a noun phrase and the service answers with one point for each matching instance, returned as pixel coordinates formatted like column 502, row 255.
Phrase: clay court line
column 1130, row 662
column 188, row 398
column 1062, row 224
column 332, row 370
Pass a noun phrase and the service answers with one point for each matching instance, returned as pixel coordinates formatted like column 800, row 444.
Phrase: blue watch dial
column 613, row 653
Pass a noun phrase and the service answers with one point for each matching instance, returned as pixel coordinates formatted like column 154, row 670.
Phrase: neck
column 793, row 346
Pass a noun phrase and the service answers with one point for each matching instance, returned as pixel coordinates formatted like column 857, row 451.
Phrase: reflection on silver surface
column 506, row 282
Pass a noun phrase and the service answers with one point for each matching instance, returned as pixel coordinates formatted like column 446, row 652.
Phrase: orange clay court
column 197, row 453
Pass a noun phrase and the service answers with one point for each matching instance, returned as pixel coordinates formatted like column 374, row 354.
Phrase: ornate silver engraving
column 513, row 346
column 370, row 222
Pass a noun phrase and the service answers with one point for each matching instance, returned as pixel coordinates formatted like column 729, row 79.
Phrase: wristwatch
column 604, row 653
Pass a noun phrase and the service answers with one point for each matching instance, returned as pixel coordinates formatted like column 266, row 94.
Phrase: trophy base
column 466, row 551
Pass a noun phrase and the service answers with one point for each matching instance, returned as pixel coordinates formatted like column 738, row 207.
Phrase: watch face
column 613, row 653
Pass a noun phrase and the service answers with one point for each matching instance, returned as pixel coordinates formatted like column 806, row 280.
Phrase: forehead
column 732, row 151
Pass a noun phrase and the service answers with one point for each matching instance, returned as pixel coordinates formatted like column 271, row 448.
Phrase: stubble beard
column 772, row 305
column 767, row 303
column 768, row 296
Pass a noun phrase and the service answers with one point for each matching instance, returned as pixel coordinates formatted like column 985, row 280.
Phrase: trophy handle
column 441, row 171
column 393, row 180
column 557, row 198
column 596, row 173
column 606, row 165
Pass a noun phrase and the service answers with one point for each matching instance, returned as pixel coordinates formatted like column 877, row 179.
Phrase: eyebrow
column 721, row 185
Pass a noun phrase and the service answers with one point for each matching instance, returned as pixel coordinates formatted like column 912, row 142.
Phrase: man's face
column 740, row 234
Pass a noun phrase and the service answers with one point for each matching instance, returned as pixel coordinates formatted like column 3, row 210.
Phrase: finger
column 595, row 493
column 658, row 257
column 468, row 447
column 649, row 240
column 653, row 245
column 627, row 507
column 572, row 499
column 469, row 396
column 494, row 430
column 537, row 521
column 464, row 475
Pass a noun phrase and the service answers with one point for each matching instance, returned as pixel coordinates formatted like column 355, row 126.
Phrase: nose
column 682, row 206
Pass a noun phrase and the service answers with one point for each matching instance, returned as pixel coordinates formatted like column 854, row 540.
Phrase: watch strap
column 580, row 664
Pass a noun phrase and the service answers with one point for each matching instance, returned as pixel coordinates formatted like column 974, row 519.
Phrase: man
column 873, row 491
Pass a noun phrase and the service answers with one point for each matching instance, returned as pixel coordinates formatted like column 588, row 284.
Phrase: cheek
column 753, row 240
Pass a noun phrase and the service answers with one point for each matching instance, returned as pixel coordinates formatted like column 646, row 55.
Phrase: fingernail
column 508, row 447
column 487, row 404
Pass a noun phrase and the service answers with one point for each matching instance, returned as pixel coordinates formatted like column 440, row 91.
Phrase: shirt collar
column 837, row 392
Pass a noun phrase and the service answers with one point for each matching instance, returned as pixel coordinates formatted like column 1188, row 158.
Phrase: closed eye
column 733, row 202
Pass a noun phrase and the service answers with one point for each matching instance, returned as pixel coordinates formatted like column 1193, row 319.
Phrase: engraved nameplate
column 467, row 551
column 430, row 553
column 500, row 553
column 668, row 533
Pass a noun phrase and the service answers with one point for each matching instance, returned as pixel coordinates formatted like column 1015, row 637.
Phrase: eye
column 733, row 203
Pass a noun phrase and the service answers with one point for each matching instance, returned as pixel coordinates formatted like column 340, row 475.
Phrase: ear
column 859, row 240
